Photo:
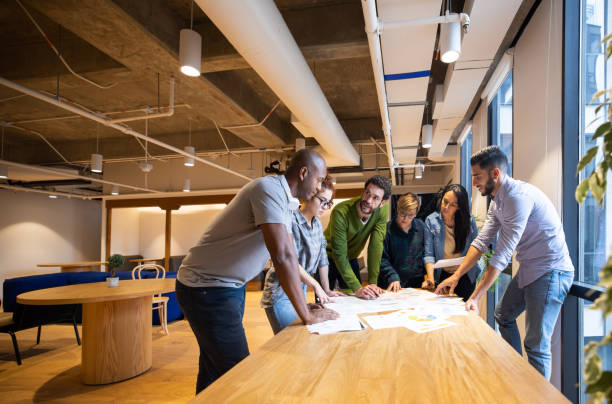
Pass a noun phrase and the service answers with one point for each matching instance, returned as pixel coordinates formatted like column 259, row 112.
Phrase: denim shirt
column 434, row 241
column 529, row 223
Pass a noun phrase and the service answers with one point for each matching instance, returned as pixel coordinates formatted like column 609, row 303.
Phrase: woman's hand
column 394, row 286
column 335, row 293
column 428, row 284
column 323, row 297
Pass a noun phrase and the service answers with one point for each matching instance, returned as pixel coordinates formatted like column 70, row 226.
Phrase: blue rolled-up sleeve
column 428, row 247
column 487, row 233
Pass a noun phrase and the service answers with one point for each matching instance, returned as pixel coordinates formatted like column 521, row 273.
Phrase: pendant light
column 427, row 131
column 3, row 169
column 190, row 50
column 187, row 185
column 189, row 162
column 115, row 190
column 96, row 158
column 450, row 39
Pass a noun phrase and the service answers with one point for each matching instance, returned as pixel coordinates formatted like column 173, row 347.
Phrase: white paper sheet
column 451, row 262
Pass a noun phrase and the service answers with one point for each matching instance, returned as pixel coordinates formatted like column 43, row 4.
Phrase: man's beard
column 365, row 211
column 489, row 187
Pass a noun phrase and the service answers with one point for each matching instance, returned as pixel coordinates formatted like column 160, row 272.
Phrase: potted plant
column 114, row 261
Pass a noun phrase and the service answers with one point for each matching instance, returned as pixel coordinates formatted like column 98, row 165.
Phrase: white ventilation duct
column 258, row 32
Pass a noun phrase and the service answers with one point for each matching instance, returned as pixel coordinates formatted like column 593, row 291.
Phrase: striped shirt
column 310, row 247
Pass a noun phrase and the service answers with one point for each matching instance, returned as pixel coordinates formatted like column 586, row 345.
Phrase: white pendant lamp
column 3, row 172
column 418, row 171
column 96, row 163
column 189, row 160
column 190, row 50
column 427, row 136
column 450, row 41
column 115, row 190
column 187, row 185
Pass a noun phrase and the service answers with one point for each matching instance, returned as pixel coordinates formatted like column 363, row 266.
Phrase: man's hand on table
column 447, row 286
column 472, row 305
column 369, row 292
column 319, row 313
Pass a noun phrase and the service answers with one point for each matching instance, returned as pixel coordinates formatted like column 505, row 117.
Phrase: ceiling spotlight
column 53, row 196
column 96, row 163
column 426, row 136
column 187, row 185
column 115, row 190
column 418, row 171
column 450, row 41
column 189, row 160
column 190, row 52
column 3, row 172
column 145, row 166
column 300, row 143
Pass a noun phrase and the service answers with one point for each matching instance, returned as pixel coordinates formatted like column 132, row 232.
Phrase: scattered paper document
column 451, row 262
column 344, row 323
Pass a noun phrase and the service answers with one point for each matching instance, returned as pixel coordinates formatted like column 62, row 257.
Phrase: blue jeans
column 215, row 316
column 541, row 300
column 282, row 313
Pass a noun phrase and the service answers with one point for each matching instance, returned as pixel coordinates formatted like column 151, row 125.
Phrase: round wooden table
column 117, row 326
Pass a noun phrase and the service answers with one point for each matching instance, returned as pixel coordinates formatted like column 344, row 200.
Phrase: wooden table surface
column 97, row 292
column 466, row 363
column 117, row 333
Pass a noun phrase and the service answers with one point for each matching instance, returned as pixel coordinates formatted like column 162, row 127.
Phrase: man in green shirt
column 352, row 222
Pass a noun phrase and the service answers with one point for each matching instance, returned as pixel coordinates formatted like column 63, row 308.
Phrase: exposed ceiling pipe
column 169, row 112
column 69, row 175
column 61, row 118
column 42, row 191
column 104, row 121
column 10, row 125
column 258, row 32
column 371, row 28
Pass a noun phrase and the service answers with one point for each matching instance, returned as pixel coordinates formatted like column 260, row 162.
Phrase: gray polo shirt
column 232, row 250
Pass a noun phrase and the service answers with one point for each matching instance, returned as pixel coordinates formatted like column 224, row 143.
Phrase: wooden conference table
column 466, row 363
column 75, row 266
column 117, row 326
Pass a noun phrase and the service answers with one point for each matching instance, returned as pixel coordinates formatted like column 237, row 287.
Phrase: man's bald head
column 307, row 170
column 306, row 158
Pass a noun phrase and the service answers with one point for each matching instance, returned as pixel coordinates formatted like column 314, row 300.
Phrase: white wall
column 36, row 230
column 125, row 238
column 537, row 116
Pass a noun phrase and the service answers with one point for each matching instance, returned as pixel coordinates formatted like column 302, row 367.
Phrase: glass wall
column 466, row 168
column 595, row 222
column 500, row 134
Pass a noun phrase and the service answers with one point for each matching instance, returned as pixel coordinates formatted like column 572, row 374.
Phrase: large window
column 594, row 221
column 466, row 168
column 500, row 134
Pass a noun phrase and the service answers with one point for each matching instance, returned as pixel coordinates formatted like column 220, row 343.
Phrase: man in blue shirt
column 528, row 223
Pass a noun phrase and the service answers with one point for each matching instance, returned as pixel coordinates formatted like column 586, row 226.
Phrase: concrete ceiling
column 134, row 44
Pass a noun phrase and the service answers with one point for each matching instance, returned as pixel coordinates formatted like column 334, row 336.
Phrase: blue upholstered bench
column 24, row 317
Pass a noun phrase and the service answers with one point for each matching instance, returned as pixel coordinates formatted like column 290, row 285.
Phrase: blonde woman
column 402, row 263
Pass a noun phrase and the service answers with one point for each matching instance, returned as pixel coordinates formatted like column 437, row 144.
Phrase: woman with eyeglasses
column 448, row 234
column 402, row 259
column 310, row 246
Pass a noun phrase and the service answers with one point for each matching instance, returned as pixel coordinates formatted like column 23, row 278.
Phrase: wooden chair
column 160, row 303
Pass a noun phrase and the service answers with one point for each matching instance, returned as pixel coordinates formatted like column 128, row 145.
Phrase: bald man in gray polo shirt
column 255, row 226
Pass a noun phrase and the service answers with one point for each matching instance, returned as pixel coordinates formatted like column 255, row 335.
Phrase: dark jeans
column 334, row 275
column 215, row 316
column 465, row 287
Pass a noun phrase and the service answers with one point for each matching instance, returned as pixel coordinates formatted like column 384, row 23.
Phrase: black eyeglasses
column 325, row 204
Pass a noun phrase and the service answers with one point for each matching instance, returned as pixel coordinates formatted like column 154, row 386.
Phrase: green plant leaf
column 607, row 340
column 608, row 50
column 603, row 128
column 586, row 159
column 581, row 190
column 602, row 384
column 596, row 189
column 606, row 38
column 597, row 95
column 591, row 348
column 592, row 369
